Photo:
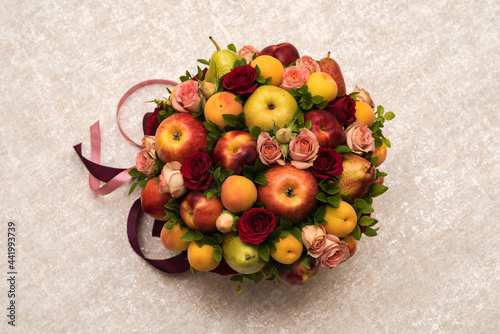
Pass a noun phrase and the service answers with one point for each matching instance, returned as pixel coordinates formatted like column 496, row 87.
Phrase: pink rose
column 171, row 180
column 148, row 142
column 379, row 181
column 303, row 149
column 294, row 77
column 308, row 63
column 335, row 252
column 364, row 96
column 359, row 138
column 186, row 97
column 314, row 239
column 270, row 151
column 145, row 162
column 247, row 52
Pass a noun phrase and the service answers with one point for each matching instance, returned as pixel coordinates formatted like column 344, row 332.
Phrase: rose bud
column 283, row 135
column 146, row 163
column 207, row 88
column 148, row 142
column 225, row 221
column 171, row 180
column 379, row 181
column 364, row 96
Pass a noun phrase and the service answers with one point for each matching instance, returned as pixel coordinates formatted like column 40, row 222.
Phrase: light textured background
column 434, row 267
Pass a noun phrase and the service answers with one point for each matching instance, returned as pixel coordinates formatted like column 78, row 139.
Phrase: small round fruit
column 352, row 244
column 288, row 250
column 219, row 104
column 320, row 83
column 270, row 67
column 381, row 153
column 364, row 113
column 152, row 201
column 238, row 193
column 201, row 258
column 171, row 239
column 341, row 221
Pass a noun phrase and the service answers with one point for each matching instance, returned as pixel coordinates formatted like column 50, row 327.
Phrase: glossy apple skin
column 286, row 53
column 152, row 201
column 200, row 213
column 234, row 150
column 179, row 136
column 300, row 274
column 290, row 192
column 326, row 127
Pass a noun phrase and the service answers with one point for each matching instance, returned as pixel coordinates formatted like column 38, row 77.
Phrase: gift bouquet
column 261, row 166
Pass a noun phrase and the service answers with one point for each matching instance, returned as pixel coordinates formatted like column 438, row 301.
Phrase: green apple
column 269, row 105
column 242, row 257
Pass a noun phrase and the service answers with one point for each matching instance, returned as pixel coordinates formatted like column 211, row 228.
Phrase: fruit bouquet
column 261, row 166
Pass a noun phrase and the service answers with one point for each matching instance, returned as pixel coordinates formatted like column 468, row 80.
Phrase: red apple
column 234, row 150
column 351, row 243
column 326, row 127
column 300, row 274
column 152, row 201
column 200, row 213
column 179, row 136
column 286, row 53
column 290, row 192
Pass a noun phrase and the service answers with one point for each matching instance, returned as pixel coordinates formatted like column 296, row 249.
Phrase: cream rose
column 247, row 52
column 145, row 162
column 364, row 96
column 224, row 222
column 303, row 149
column 308, row 63
column 334, row 252
column 359, row 138
column 294, row 77
column 171, row 180
column 186, row 97
column 148, row 142
column 269, row 151
column 313, row 239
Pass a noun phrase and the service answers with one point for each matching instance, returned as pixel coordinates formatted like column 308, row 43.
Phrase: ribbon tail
column 173, row 265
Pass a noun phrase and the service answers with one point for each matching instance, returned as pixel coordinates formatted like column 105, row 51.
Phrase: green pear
column 240, row 256
column 357, row 177
column 221, row 63
column 332, row 68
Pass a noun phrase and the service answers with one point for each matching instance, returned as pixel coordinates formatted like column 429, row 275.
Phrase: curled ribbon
column 116, row 177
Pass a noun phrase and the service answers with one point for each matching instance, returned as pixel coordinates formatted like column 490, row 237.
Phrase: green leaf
column 217, row 252
column 217, row 173
column 255, row 131
column 295, row 231
column 284, row 234
column 236, row 278
column 285, row 223
column 260, row 179
column 387, row 142
column 389, row 115
column 134, row 173
column 321, row 197
column 168, row 225
column 342, row 149
column 380, row 111
column 306, row 261
column 370, row 232
column 317, row 99
column 203, row 61
column 210, row 192
column 188, row 236
column 329, row 187
column 334, row 201
column 274, row 234
column 378, row 190
column 209, row 240
column 264, row 251
column 365, row 221
column 232, row 47
column 356, row 234
column 320, row 214
column 198, row 235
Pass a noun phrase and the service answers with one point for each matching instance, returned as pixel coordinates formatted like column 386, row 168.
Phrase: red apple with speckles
column 286, row 53
column 179, row 136
column 326, row 127
column 152, row 201
column 234, row 150
column 200, row 213
column 290, row 192
column 300, row 274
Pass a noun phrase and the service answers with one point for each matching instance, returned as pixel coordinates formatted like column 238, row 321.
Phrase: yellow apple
column 341, row 220
column 288, row 250
column 269, row 105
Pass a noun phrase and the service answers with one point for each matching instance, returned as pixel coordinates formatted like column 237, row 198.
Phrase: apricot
column 171, row 239
column 270, row 67
column 238, row 193
column 322, row 84
column 381, row 153
column 288, row 250
column 364, row 113
column 219, row 104
column 341, row 220
column 201, row 258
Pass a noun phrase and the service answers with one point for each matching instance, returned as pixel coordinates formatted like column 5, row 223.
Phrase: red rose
column 241, row 80
column 195, row 171
column 255, row 225
column 152, row 124
column 328, row 163
column 343, row 108
column 196, row 77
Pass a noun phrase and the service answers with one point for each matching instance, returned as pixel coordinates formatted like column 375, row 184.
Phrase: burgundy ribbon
column 115, row 177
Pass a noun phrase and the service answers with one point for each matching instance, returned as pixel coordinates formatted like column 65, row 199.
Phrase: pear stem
column 328, row 55
column 215, row 43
